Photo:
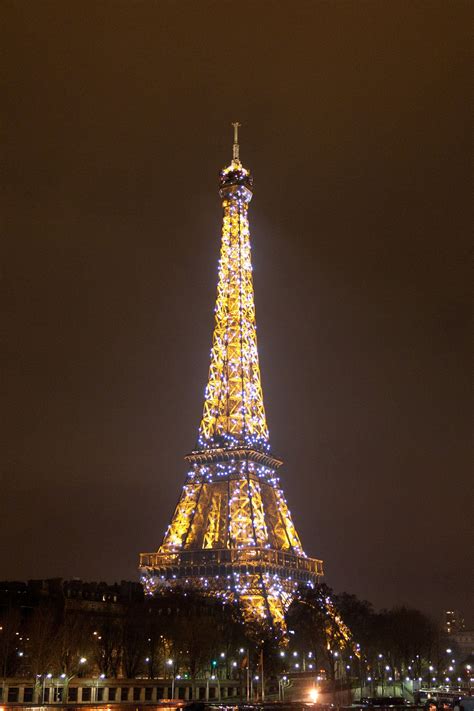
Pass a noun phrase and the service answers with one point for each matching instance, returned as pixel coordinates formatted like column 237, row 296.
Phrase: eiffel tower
column 232, row 534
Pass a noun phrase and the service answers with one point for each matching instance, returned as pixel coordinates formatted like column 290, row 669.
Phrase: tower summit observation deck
column 232, row 533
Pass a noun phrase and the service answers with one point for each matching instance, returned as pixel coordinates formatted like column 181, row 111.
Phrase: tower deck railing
column 249, row 556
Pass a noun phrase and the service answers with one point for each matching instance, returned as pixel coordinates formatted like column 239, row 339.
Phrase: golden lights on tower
column 232, row 533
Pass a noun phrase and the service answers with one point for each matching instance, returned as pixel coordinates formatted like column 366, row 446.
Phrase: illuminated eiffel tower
column 232, row 533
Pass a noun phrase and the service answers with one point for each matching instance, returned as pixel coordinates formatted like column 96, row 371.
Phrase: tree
column 42, row 629
column 73, row 643
column 108, row 646
column 10, row 623
column 134, row 640
column 318, row 623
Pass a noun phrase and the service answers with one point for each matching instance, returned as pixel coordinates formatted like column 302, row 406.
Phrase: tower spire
column 235, row 147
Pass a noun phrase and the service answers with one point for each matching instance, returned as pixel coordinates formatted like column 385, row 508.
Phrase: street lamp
column 247, row 658
column 45, row 676
column 282, row 683
column 101, row 677
column 169, row 663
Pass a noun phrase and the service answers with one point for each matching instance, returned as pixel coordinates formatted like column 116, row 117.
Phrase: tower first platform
column 232, row 534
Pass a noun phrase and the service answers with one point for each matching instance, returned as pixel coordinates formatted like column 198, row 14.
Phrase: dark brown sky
column 355, row 124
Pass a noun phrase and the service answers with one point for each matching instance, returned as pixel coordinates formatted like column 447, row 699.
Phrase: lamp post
column 99, row 679
column 45, row 676
column 283, row 683
column 170, row 664
column 247, row 669
column 215, row 677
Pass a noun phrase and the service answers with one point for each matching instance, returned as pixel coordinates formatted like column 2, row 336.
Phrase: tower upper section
column 234, row 414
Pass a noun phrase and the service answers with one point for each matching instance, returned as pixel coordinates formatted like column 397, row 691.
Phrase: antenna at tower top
column 235, row 147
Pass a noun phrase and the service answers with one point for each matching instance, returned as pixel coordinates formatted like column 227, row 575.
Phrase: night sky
column 356, row 124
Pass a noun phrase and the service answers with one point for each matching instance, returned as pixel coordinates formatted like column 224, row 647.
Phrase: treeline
column 151, row 637
column 348, row 638
column 190, row 634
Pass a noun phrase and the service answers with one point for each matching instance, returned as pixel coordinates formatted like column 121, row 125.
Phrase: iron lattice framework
column 232, row 533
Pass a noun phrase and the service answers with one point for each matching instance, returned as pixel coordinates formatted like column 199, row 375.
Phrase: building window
column 136, row 693
column 148, row 693
column 13, row 693
column 72, row 693
column 112, row 693
column 160, row 693
column 100, row 693
column 28, row 694
column 86, row 693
